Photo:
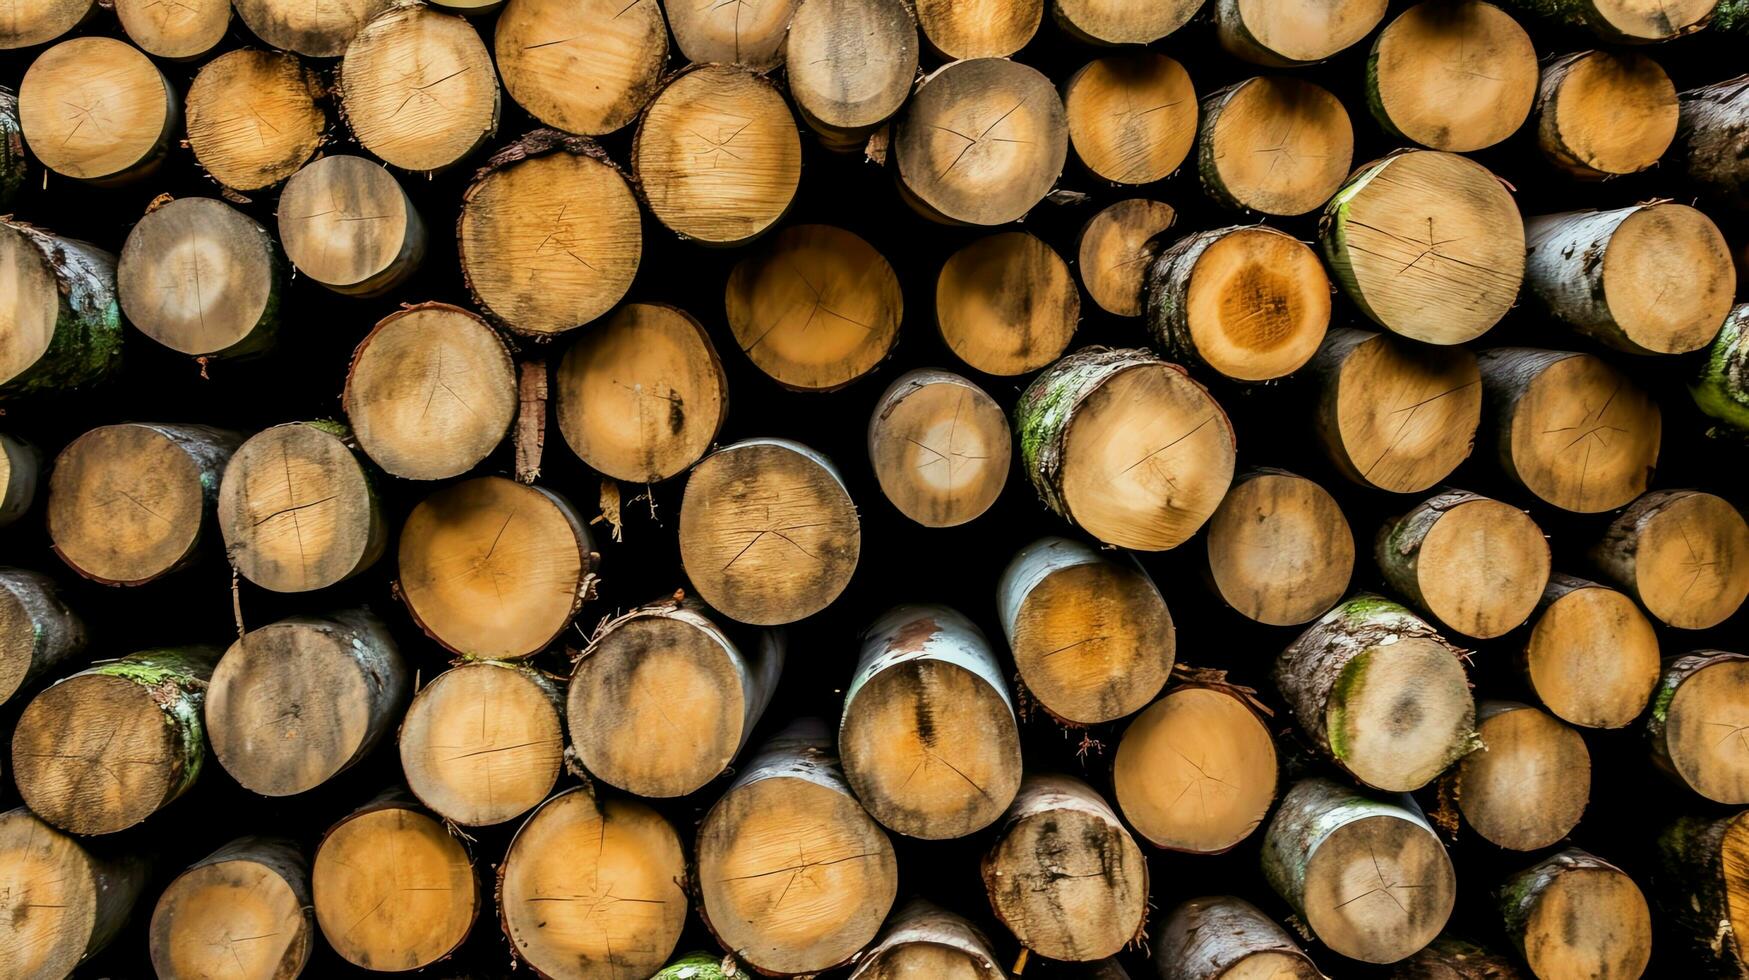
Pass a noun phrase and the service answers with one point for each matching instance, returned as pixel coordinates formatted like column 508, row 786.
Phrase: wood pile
column 966, row 489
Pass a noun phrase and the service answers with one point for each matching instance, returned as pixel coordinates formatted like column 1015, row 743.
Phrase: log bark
column 1683, row 553
column 1131, row 116
column 940, row 447
column 1154, row 453
column 203, row 279
column 849, row 65
column 1576, row 915
column 698, row 966
column 1476, row 565
column 1721, row 386
column 1602, row 114
column 37, row 22
column 542, row 44
column 1195, row 771
column 38, row 632
column 418, row 88
column 484, row 741
column 1712, row 125
column 253, row 117
column 1700, row 696
column 1701, row 883
column 1456, row 75
column 1624, row 21
column 925, row 940
column 1293, row 34
column 531, row 419
column 20, row 473
column 14, row 165
column 1279, row 549
column 1592, row 656
column 1448, row 958
column 1006, row 304
column 1528, row 787
column 242, row 911
column 312, row 30
column 1274, row 145
column 47, row 870
column 749, row 36
column 137, row 719
column 347, row 224
column 1115, row 248
column 1222, row 936
column 62, row 329
column 1349, row 680
column 141, row 106
column 192, row 31
column 294, row 704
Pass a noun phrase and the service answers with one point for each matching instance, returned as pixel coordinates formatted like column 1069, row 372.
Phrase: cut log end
column 621, row 49
column 60, row 903
column 1592, row 656
column 139, row 110
column 1457, row 75
column 1296, row 32
column 345, row 222
column 979, row 28
column 1247, row 160
column 243, row 912
column 1006, row 304
column 1115, row 249
column 1396, row 415
column 34, row 22
column 37, row 630
column 313, row 30
column 202, row 278
column 1637, row 22
column 1279, row 549
column 850, row 65
column 749, row 35
column 195, row 28
column 1698, row 724
column 1226, row 938
column 253, row 120
column 1131, row 117
column 1684, row 554
column 924, row 940
column 940, row 448
column 1476, row 565
column 1575, row 915
column 419, row 88
column 1196, row 771
column 1603, row 113
column 482, row 743
column 1527, row 788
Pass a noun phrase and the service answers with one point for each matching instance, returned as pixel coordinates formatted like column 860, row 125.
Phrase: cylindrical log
column 1108, row 22
column 815, row 308
column 38, row 632
column 1551, row 409
column 1700, row 888
column 1626, row 21
column 188, row 30
column 33, row 22
column 1221, row 937
column 202, row 278
column 1090, row 632
column 849, row 64
column 697, row 966
column 1698, row 721
column 961, row 29
column 431, row 392
column 106, row 748
column 1006, row 303
column 1367, row 875
column 392, row 889
column 1279, row 549
column 768, row 532
column 61, row 328
column 1710, row 125
column 1131, row 116
column 14, row 164
column 662, row 656
column 349, row 226
column 1114, row 250
column 1393, row 414
column 1248, row 302
column 1292, row 33
column 1683, row 553
column 1602, row 114
column 1273, row 144
column 97, row 109
column 980, row 142
column 1448, row 958
column 297, row 508
column 543, row 46
column 483, row 742
column 315, row 30
column 1195, row 771
column 1064, row 875
column 925, row 940
column 1476, row 565
column 591, row 887
column 746, row 34
column 418, row 88
column 1155, row 453
column 788, row 821
column 1379, row 693
column 20, row 472
column 717, row 155
column 1592, row 656
column 1528, row 787
column 1457, row 75
column 492, row 568
column 61, row 904
column 253, row 120
column 1430, row 245
column 939, row 446
column 549, row 235
column 1721, row 387
column 242, row 911
column 129, row 503
column 293, row 704
column 1575, row 915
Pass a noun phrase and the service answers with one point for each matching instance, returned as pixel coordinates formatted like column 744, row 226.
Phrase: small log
column 312, row 30
column 653, row 659
column 980, row 142
column 1316, row 853
column 747, row 35
column 483, row 742
column 1006, row 304
column 1154, row 453
column 1721, row 386
column 431, row 392
column 253, row 120
column 38, row 632
column 1394, row 414
column 1294, row 33
column 816, row 307
column 347, row 224
column 716, row 154
column 1625, row 21
column 543, row 44
column 549, row 235
column 1710, row 123
column 1448, row 958
column 392, row 889
column 1279, row 548
column 925, row 940
column 139, row 111
column 849, row 64
column 242, row 911
column 1090, row 632
column 790, row 813
column 1700, row 696
column 1273, row 144
column 1102, row 22
column 193, row 30
column 1456, row 75
column 418, row 88
column 1248, row 302
column 14, row 164
column 46, row 871
column 1131, row 116
column 1195, row 771
column 168, row 475
column 1430, row 245
column 492, row 568
column 20, row 473
column 1683, row 553
column 294, row 704
column 1115, row 249
column 1592, row 656
column 1551, row 409
column 939, row 446
column 1379, row 693
column 297, row 508
column 1221, row 937
column 1702, row 891
column 202, row 278
column 1064, row 876
column 1528, row 786
column 1576, row 915
column 768, row 532
column 1602, row 114
column 33, row 22
column 62, row 327
column 136, row 720
column 1476, row 565
column 965, row 29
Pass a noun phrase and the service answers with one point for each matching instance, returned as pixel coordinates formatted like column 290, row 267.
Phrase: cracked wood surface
column 202, row 278
column 1272, row 144
column 345, row 222
column 1131, row 117
column 1683, row 553
column 253, row 119
column 1195, row 771
column 1458, row 76
column 419, row 88
column 544, row 46
column 242, row 911
column 482, row 743
column 1006, row 304
column 63, row 902
column 95, row 108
